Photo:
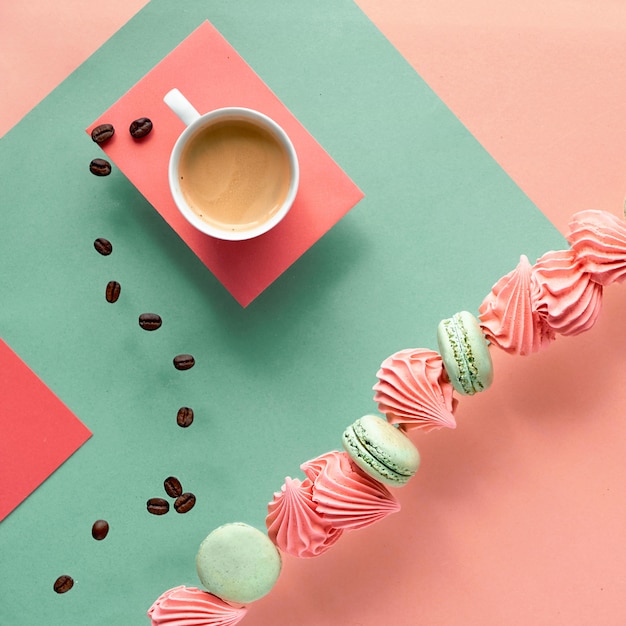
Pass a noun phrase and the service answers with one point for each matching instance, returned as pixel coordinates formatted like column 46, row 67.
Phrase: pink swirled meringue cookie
column 188, row 606
column 294, row 524
column 599, row 240
column 509, row 316
column 567, row 297
column 345, row 495
column 411, row 391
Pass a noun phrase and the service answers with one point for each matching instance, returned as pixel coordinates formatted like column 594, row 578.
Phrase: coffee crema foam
column 234, row 174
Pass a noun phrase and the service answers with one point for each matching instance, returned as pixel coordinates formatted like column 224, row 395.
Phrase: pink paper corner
column 38, row 431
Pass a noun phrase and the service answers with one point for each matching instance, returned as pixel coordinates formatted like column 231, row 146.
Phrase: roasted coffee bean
column 100, row 529
column 103, row 246
column 150, row 321
column 184, row 417
column 140, row 127
column 100, row 167
column 185, row 502
column 173, row 488
column 113, row 291
column 158, row 506
column 63, row 583
column 184, row 361
column 102, row 133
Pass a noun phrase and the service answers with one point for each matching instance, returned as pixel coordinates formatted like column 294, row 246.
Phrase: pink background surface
column 518, row 517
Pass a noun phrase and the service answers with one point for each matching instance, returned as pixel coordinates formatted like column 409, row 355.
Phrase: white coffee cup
column 233, row 172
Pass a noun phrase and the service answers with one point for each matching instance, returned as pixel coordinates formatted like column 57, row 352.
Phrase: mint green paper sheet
column 274, row 384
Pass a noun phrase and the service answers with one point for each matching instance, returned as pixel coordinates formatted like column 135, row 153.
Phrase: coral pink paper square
column 211, row 74
column 38, row 433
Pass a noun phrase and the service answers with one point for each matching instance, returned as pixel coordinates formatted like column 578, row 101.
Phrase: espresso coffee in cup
column 233, row 172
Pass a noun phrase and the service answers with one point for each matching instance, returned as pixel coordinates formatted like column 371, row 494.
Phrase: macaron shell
column 368, row 463
column 238, row 563
column 381, row 450
column 465, row 353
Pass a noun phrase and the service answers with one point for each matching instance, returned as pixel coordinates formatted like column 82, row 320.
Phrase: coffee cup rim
column 233, row 112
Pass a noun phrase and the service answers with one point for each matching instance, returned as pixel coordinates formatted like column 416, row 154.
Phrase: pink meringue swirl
column 346, row 496
column 188, row 606
column 508, row 315
column 411, row 391
column 599, row 240
column 294, row 524
column 567, row 297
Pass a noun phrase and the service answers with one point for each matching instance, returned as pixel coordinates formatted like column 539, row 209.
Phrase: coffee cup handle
column 181, row 106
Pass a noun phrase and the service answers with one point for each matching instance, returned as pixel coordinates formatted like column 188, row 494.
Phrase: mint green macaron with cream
column 465, row 353
column 381, row 450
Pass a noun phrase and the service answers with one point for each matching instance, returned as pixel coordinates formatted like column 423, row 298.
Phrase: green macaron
column 465, row 353
column 381, row 450
column 238, row 563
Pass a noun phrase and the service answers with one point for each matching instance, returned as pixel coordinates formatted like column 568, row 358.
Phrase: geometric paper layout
column 211, row 74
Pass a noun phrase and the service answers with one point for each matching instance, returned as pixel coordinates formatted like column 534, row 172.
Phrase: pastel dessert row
column 561, row 294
